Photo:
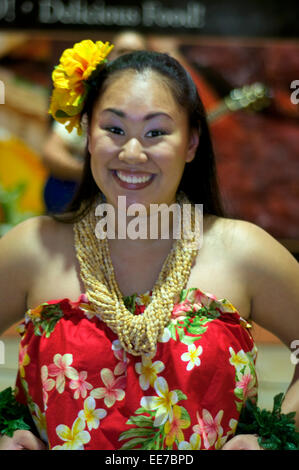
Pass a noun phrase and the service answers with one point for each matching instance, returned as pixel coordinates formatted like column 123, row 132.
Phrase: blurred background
column 244, row 59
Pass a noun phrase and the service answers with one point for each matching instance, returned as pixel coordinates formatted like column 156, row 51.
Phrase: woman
column 135, row 353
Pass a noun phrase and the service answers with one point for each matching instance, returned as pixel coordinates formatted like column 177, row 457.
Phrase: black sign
column 250, row 18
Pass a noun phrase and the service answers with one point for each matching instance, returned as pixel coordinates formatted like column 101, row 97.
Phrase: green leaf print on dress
column 159, row 422
column 190, row 316
column 44, row 318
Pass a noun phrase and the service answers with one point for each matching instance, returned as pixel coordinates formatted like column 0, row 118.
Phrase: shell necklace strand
column 138, row 334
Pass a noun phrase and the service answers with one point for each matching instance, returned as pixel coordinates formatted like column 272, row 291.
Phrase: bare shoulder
column 24, row 252
column 24, row 247
column 21, row 239
column 271, row 273
column 248, row 243
column 32, row 235
column 258, row 249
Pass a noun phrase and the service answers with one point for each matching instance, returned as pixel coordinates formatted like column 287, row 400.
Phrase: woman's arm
column 291, row 401
column 18, row 261
column 272, row 275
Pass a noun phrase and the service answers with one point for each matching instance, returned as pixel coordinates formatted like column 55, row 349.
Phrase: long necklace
column 138, row 334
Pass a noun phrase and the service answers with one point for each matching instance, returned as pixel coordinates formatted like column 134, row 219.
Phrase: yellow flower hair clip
column 70, row 81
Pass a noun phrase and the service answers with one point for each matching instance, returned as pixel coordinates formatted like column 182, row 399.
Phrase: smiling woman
column 148, row 138
column 133, row 352
column 160, row 108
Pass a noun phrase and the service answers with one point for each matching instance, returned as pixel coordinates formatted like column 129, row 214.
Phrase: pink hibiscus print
column 180, row 310
column 61, row 369
column 113, row 390
column 48, row 384
column 80, row 385
column 247, row 384
column 208, row 427
column 120, row 354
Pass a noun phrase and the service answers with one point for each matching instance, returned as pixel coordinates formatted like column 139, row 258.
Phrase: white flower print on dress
column 165, row 337
column 163, row 403
column 40, row 422
column 193, row 444
column 91, row 415
column 148, row 371
column 74, row 438
column 238, row 360
column 192, row 356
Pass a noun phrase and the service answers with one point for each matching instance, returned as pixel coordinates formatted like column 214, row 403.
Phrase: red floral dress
column 85, row 392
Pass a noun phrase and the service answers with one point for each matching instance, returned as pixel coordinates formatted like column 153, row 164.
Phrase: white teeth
column 132, row 179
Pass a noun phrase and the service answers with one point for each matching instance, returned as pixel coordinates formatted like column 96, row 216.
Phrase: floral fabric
column 85, row 392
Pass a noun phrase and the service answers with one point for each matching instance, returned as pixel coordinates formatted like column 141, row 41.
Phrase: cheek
column 101, row 153
column 171, row 155
column 101, row 149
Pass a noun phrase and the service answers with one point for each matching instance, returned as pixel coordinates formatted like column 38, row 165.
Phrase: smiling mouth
column 138, row 180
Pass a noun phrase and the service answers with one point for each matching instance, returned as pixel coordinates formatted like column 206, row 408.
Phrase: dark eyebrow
column 121, row 114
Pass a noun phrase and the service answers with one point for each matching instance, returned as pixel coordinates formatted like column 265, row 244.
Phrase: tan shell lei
column 138, row 334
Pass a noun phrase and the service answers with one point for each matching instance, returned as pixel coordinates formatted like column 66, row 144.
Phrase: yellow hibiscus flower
column 80, row 61
column 75, row 67
column 72, row 122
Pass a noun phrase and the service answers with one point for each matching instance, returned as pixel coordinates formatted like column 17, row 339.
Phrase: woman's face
column 139, row 140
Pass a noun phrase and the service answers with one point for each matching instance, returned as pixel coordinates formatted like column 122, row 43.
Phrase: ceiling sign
column 206, row 17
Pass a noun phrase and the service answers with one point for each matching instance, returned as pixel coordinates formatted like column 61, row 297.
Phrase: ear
column 193, row 144
column 88, row 139
column 86, row 128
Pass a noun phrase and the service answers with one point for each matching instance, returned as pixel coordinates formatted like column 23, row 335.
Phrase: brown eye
column 115, row 130
column 156, row 133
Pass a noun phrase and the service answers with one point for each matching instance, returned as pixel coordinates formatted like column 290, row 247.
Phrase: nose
column 132, row 152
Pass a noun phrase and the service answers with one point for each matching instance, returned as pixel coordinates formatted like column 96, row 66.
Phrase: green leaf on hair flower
column 61, row 114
